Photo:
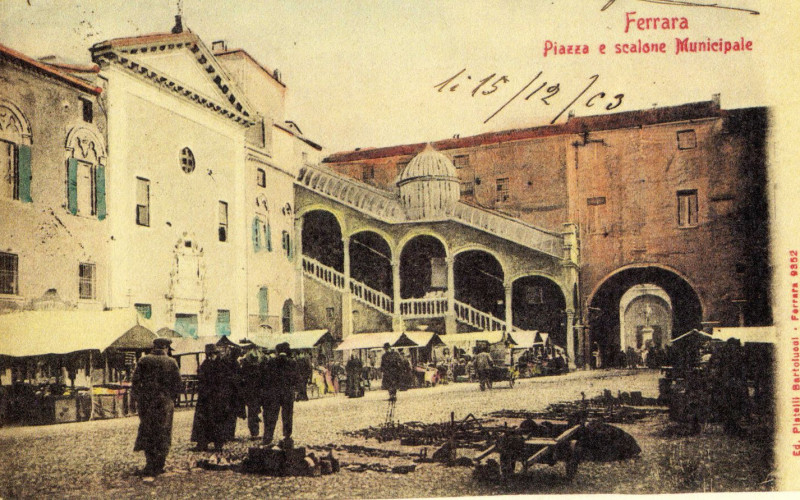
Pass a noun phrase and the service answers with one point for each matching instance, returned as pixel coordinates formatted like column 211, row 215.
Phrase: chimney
column 178, row 28
column 219, row 46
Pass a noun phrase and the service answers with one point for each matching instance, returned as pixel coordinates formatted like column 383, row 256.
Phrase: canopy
column 137, row 337
column 307, row 339
column 425, row 339
column 696, row 335
column 35, row 333
column 750, row 334
column 375, row 340
column 465, row 340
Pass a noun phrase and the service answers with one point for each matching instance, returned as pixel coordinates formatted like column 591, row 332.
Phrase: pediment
column 182, row 65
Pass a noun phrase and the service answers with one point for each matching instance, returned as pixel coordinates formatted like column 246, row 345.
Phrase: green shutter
column 269, row 236
column 100, row 191
column 256, row 239
column 263, row 303
column 24, row 169
column 72, row 185
column 289, row 249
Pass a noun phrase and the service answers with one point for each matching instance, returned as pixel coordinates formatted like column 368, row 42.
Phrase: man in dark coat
column 393, row 367
column 354, row 368
column 251, row 368
column 155, row 385
column 304, row 371
column 280, row 383
column 483, row 368
column 216, row 391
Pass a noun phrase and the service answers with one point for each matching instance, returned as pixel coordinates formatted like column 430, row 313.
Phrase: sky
column 365, row 73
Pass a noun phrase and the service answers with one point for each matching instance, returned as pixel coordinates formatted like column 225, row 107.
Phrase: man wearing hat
column 252, row 366
column 280, row 382
column 216, row 392
column 392, row 368
column 155, row 385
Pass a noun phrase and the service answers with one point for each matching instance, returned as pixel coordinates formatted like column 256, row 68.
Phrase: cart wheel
column 572, row 460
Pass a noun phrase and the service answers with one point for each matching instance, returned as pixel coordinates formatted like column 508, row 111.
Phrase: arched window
column 187, row 160
column 262, row 235
column 287, row 316
column 86, row 173
column 15, row 154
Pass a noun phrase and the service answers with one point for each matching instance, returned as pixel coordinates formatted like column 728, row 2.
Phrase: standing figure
column 280, row 381
column 251, row 367
column 393, row 368
column 155, row 385
column 304, row 372
column 483, row 368
column 215, row 401
column 354, row 368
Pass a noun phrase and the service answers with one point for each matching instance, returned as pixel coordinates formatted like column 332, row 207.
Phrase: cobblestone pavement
column 95, row 459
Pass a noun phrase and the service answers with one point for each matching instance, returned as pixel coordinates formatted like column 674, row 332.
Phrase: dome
column 428, row 164
column 429, row 185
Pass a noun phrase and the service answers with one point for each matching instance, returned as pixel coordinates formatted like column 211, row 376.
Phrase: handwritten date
column 537, row 89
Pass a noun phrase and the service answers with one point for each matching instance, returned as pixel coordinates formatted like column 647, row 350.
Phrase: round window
column 187, row 160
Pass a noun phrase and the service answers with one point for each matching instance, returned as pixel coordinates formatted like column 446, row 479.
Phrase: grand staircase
column 420, row 308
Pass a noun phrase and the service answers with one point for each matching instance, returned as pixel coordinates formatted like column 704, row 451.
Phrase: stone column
column 509, row 288
column 450, row 316
column 347, row 297
column 571, row 338
column 397, row 318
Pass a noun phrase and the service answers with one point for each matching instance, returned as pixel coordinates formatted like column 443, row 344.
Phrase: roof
column 375, row 341
column 429, row 163
column 696, row 334
column 307, row 339
column 575, row 125
column 524, row 339
column 469, row 339
column 425, row 339
column 243, row 53
column 48, row 70
column 750, row 334
column 138, row 337
column 35, row 333
column 188, row 345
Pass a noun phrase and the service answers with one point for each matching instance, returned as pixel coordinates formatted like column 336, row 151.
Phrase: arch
column 322, row 238
column 17, row 118
column 479, row 281
column 371, row 260
column 480, row 248
column 380, row 232
column 656, row 314
column 301, row 212
column 542, row 274
column 538, row 302
column 421, row 232
column 423, row 266
column 603, row 306
column 84, row 143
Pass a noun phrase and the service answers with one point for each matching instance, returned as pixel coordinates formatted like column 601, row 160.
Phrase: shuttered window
column 263, row 303
column 142, row 202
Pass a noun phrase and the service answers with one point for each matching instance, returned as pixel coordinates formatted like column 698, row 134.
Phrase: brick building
column 670, row 205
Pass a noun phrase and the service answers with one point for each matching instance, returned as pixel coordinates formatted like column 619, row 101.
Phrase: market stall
column 62, row 366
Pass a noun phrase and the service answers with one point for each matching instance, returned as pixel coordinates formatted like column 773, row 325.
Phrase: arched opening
column 287, row 324
column 478, row 280
column 371, row 261
column 322, row 239
column 423, row 269
column 681, row 304
column 537, row 303
column 15, row 154
column 645, row 318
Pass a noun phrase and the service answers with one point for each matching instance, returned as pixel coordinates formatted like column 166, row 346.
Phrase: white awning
column 35, row 333
column 375, row 341
column 307, row 339
column 425, row 339
column 467, row 340
column 748, row 334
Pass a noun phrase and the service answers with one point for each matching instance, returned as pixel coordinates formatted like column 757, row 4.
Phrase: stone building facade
column 670, row 206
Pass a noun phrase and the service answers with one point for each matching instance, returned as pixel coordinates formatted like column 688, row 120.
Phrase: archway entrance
column 322, row 239
column 681, row 304
column 537, row 303
column 423, row 269
column 645, row 317
column 371, row 261
column 478, row 280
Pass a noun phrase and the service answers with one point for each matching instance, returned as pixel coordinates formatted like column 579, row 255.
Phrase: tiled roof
column 48, row 70
column 579, row 125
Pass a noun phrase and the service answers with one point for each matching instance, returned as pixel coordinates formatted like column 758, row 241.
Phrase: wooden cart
column 549, row 442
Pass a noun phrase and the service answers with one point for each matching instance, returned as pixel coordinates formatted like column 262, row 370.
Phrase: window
column 286, row 317
column 467, row 187
column 223, row 221
column 401, row 165
column 286, row 242
column 186, row 325
column 86, row 281
column 367, row 172
column 261, row 177
column 15, row 155
column 687, row 208
column 142, row 202
column 9, row 273
column 263, row 303
column 144, row 310
column 10, row 170
column 502, row 190
column 687, row 139
column 88, row 113
column 461, row 161
column 597, row 200
column 262, row 235
column 534, row 295
column 223, row 322
column 329, row 313
column 84, row 196
column 187, row 160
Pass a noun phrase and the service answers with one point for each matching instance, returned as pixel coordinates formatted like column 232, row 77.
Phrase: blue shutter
column 72, row 185
column 24, row 170
column 100, row 191
column 263, row 303
column 269, row 236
